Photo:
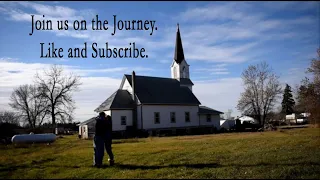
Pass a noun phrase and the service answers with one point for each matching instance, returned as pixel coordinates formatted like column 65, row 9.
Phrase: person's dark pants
column 99, row 144
column 107, row 144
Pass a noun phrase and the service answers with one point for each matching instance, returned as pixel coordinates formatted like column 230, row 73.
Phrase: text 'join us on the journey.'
column 96, row 24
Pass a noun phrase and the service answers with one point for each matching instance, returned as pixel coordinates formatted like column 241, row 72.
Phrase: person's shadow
column 146, row 167
column 200, row 166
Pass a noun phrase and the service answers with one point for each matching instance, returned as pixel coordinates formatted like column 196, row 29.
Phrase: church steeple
column 178, row 53
column 179, row 66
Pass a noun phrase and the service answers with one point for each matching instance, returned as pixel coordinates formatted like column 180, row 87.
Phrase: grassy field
column 279, row 154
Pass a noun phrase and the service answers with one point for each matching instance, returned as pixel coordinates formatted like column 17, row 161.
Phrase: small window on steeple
column 184, row 72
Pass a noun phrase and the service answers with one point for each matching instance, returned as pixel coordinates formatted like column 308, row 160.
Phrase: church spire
column 178, row 53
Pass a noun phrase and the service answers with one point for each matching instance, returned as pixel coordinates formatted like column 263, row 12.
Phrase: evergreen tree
column 287, row 101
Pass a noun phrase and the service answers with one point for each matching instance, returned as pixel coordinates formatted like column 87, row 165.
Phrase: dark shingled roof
column 185, row 81
column 87, row 121
column 207, row 110
column 157, row 90
column 178, row 53
column 121, row 99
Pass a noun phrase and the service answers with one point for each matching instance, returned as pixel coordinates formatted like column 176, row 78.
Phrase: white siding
column 165, row 121
column 215, row 121
column 127, row 86
column 139, row 116
column 175, row 70
column 116, row 119
column 178, row 69
column 108, row 112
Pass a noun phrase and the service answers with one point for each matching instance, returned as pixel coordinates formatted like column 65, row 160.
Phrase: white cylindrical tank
column 33, row 138
column 291, row 116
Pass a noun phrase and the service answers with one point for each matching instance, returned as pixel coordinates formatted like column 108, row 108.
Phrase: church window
column 123, row 120
column 187, row 116
column 173, row 117
column 208, row 117
column 184, row 72
column 157, row 118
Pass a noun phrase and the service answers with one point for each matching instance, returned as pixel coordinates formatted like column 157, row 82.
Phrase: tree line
column 50, row 96
column 262, row 90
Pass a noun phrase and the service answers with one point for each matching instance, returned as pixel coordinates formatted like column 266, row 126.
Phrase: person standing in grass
column 102, row 139
column 108, row 140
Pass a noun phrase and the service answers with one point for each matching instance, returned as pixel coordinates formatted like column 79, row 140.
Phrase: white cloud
column 218, row 53
column 221, row 94
column 293, row 5
column 7, row 59
column 62, row 60
column 165, row 61
column 218, row 69
column 58, row 11
column 216, row 12
column 220, row 65
column 220, row 72
column 94, row 91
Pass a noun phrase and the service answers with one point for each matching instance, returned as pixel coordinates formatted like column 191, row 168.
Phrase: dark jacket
column 103, row 126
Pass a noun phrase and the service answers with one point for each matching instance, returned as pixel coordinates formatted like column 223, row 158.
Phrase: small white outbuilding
column 87, row 128
column 248, row 119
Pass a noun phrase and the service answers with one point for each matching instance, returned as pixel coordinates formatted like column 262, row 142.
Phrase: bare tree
column 309, row 92
column 262, row 89
column 9, row 117
column 31, row 108
column 57, row 89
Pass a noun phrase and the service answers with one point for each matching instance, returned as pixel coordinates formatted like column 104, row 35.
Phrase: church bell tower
column 179, row 66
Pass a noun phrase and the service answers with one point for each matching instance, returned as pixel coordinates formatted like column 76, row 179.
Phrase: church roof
column 87, row 121
column 157, row 90
column 178, row 53
column 186, row 81
column 207, row 110
column 121, row 99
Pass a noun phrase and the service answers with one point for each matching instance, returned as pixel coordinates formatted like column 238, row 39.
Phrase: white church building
column 159, row 103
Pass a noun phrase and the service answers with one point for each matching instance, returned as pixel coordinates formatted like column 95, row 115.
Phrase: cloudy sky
column 220, row 40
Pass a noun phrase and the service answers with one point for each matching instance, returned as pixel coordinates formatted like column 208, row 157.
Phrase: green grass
column 279, row 154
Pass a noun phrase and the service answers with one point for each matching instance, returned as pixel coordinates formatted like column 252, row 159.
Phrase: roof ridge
column 152, row 77
column 112, row 96
column 88, row 120
column 206, row 107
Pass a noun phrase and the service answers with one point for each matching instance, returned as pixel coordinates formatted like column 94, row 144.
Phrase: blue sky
column 220, row 40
